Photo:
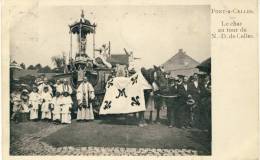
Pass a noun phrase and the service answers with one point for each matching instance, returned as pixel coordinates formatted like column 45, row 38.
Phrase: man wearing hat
column 172, row 102
column 66, row 87
column 184, row 110
column 34, row 103
column 43, row 85
column 85, row 94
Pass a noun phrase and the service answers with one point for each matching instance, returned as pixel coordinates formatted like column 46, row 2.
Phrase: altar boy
column 34, row 103
column 46, row 103
column 66, row 105
column 56, row 107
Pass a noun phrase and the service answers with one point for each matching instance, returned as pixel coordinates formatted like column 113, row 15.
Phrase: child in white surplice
column 66, row 105
column 34, row 102
column 46, row 103
column 56, row 108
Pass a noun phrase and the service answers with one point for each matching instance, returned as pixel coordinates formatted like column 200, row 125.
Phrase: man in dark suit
column 184, row 110
column 195, row 91
column 195, row 87
column 206, row 103
column 171, row 102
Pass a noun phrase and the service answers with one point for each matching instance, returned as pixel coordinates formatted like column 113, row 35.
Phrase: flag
column 125, row 95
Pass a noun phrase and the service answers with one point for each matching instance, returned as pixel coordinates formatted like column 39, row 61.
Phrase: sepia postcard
column 132, row 79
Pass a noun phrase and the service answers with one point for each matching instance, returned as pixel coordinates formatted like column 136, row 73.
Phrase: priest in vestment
column 85, row 94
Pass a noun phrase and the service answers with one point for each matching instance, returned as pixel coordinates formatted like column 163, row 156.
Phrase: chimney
column 181, row 50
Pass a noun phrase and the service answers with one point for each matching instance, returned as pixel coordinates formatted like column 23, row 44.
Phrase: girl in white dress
column 65, row 108
column 56, row 107
column 46, row 104
column 34, row 102
column 25, row 105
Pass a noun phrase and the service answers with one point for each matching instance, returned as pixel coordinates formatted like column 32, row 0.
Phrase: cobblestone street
column 32, row 144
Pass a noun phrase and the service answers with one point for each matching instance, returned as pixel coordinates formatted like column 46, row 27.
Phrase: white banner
column 125, row 95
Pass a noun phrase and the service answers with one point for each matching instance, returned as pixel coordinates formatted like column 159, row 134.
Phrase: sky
column 153, row 33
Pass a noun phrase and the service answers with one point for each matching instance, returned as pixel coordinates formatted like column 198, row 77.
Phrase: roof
column 180, row 61
column 118, row 59
column 86, row 26
column 205, row 65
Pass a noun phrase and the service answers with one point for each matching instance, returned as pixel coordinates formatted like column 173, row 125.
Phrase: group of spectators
column 52, row 103
column 188, row 102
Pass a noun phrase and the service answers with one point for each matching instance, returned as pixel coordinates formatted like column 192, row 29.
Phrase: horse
column 157, row 78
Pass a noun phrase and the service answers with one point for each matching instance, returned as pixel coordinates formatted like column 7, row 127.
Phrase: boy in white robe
column 59, row 86
column 85, row 94
column 66, row 105
column 34, row 102
column 56, row 107
column 46, row 104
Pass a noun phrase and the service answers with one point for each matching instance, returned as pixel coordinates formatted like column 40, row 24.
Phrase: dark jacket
column 172, row 91
column 183, row 94
column 195, row 91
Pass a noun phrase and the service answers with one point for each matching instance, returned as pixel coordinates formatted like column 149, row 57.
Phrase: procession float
column 80, row 64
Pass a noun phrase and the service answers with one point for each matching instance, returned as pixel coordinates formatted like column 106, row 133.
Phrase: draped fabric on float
column 125, row 95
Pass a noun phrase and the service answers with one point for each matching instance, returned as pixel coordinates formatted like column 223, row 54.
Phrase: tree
column 58, row 61
column 27, row 79
column 31, row 67
column 23, row 65
column 38, row 66
column 45, row 69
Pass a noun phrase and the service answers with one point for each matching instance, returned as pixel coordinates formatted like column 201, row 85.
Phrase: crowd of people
column 52, row 103
column 188, row 102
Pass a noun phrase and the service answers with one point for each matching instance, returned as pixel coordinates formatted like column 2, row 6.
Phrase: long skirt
column 65, row 114
column 65, row 118
column 85, row 113
column 33, row 113
column 56, row 116
column 46, row 113
column 56, row 113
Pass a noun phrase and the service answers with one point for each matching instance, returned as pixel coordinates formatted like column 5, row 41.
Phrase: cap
column 25, row 90
column 176, row 78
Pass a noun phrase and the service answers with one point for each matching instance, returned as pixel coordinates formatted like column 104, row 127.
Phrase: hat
column 180, row 76
column 25, row 90
column 176, row 78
